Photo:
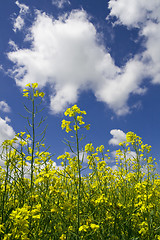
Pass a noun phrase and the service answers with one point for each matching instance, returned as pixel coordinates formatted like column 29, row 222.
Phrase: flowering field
column 40, row 201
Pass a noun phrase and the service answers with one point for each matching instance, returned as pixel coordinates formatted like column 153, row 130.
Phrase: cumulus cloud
column 19, row 21
column 27, row 169
column 134, row 13
column 152, row 54
column 118, row 136
column 129, row 155
column 116, row 92
column 4, row 107
column 60, row 3
column 6, row 131
column 144, row 15
column 66, row 53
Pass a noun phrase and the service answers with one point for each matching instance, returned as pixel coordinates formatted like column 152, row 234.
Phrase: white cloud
column 6, row 133
column 82, row 156
column 142, row 14
column 4, row 107
column 19, row 21
column 7, row 119
column 117, row 91
column 60, row 3
column 66, row 94
column 118, row 136
column 13, row 45
column 129, row 155
column 152, row 54
column 66, row 54
column 134, row 13
column 27, row 169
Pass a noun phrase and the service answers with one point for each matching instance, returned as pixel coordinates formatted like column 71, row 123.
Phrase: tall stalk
column 32, row 94
column 76, row 113
column 4, row 199
column 33, row 140
column 79, row 180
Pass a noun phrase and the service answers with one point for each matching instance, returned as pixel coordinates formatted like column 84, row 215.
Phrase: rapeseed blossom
column 84, row 228
column 94, row 226
column 89, row 148
column 34, row 85
column 25, row 93
column 66, row 125
column 61, row 202
column 36, row 93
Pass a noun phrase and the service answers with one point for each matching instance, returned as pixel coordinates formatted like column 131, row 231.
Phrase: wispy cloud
column 7, row 119
column 4, row 107
column 60, row 3
column 19, row 21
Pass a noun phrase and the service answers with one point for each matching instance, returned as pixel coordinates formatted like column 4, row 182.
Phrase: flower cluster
column 75, row 113
column 36, row 93
column 39, row 200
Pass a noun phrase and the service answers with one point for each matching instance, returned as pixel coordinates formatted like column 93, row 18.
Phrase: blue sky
column 103, row 56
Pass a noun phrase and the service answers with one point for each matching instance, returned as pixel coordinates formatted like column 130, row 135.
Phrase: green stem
column 22, row 176
column 79, row 181
column 5, row 190
column 33, row 141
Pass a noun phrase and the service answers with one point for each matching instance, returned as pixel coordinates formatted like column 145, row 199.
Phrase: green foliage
column 40, row 201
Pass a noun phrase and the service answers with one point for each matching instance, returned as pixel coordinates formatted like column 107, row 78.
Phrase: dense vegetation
column 40, row 201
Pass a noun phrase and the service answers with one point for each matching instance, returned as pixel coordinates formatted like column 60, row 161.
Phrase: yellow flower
column 36, row 93
column 94, row 226
column 65, row 124
column 41, row 94
column 76, row 109
column 89, row 147
column 76, row 127
column 23, row 143
column 100, row 149
column 25, row 94
column 25, row 90
column 79, row 119
column 68, row 112
column 28, row 136
column 30, row 150
column 34, row 85
column 1, row 228
column 63, row 237
column 29, row 158
column 22, row 134
column 73, row 111
column 87, row 126
column 83, row 228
